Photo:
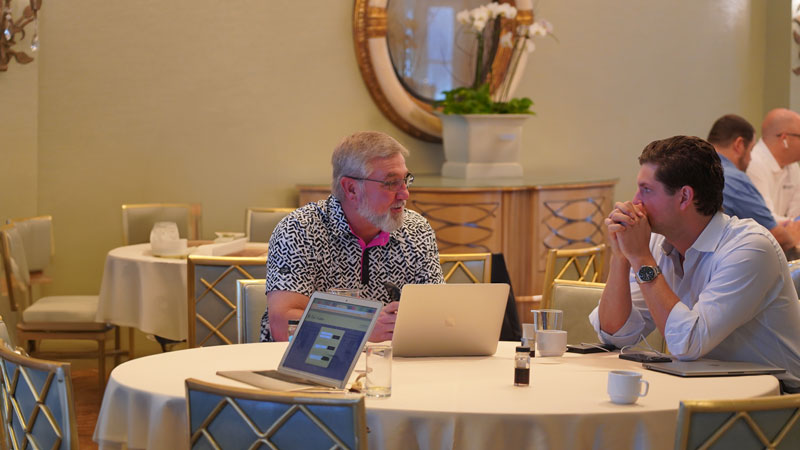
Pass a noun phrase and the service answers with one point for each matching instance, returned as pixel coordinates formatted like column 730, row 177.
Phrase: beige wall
column 233, row 103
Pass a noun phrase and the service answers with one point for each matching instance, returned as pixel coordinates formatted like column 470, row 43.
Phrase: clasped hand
column 629, row 231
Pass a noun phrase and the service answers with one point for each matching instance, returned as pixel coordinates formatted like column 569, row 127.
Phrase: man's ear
column 686, row 197
column 349, row 188
column 739, row 146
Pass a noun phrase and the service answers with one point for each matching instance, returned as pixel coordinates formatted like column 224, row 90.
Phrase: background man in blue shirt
column 733, row 138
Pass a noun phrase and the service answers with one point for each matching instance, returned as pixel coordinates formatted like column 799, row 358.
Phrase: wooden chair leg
column 117, row 339
column 130, row 343
column 101, row 364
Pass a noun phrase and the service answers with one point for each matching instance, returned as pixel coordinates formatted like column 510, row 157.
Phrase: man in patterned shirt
column 359, row 237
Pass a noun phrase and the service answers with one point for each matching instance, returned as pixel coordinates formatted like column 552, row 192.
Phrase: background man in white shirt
column 773, row 170
column 714, row 286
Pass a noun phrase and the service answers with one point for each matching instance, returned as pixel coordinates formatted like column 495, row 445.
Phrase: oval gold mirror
column 410, row 51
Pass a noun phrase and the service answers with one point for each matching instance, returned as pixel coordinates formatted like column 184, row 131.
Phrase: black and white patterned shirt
column 313, row 249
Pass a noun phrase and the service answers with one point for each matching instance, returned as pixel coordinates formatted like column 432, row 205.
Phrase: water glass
column 379, row 370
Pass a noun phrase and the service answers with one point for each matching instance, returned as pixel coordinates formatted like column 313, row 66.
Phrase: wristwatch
column 647, row 274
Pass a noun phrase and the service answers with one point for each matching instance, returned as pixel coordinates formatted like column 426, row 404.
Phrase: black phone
column 590, row 348
column 645, row 357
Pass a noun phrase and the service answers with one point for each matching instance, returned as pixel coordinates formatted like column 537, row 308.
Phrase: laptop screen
column 329, row 338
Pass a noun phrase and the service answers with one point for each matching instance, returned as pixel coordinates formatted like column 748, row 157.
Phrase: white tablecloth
column 146, row 292
column 467, row 403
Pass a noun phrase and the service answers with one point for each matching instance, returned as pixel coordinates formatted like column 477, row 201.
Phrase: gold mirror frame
column 411, row 115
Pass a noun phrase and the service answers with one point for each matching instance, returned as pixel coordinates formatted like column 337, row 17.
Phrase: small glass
column 379, row 370
column 522, row 366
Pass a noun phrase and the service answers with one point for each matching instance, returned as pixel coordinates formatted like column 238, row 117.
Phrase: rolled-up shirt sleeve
column 732, row 297
column 639, row 323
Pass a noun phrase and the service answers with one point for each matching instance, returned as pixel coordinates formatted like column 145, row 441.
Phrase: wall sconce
column 12, row 31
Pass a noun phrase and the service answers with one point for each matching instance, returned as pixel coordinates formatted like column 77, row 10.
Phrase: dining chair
column 754, row 423
column 212, row 296
column 582, row 264
column 226, row 417
column 251, row 302
column 577, row 299
column 38, row 409
column 259, row 222
column 37, row 237
column 70, row 317
column 138, row 220
column 466, row 267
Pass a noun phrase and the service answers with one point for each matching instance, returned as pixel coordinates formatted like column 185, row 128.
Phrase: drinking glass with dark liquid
column 522, row 366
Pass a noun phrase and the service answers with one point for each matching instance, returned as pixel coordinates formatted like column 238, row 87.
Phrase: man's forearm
column 615, row 303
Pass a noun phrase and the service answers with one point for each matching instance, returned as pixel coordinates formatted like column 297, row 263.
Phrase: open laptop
column 325, row 346
column 712, row 368
column 449, row 319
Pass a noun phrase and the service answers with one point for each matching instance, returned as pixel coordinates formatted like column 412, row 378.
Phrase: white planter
column 482, row 145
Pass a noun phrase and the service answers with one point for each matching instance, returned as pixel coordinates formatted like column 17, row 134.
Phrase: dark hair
column 688, row 161
column 729, row 127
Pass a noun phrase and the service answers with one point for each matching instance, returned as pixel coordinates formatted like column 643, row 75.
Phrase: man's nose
column 403, row 194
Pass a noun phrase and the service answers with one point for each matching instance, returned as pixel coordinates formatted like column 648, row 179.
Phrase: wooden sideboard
column 520, row 218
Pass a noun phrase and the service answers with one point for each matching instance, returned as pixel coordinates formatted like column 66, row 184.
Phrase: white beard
column 385, row 222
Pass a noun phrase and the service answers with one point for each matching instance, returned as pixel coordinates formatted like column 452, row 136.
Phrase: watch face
column 647, row 273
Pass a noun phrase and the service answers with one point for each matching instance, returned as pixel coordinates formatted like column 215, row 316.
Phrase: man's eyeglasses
column 391, row 185
column 790, row 134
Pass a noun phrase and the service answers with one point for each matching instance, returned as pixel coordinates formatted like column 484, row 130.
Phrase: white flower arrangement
column 519, row 40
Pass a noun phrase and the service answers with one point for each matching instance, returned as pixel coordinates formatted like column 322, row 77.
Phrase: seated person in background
column 773, row 170
column 359, row 237
column 715, row 286
column 733, row 139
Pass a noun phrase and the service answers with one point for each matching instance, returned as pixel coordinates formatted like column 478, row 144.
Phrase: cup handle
column 646, row 388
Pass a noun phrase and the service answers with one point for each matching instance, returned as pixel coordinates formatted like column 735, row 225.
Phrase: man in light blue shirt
column 733, row 138
column 715, row 286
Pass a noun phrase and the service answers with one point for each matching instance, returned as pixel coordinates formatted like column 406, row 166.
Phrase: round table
column 455, row 402
column 147, row 292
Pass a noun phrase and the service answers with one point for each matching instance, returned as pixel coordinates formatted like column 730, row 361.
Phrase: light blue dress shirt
column 740, row 197
column 737, row 299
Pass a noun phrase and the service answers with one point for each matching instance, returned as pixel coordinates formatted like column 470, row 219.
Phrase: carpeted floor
column 87, row 404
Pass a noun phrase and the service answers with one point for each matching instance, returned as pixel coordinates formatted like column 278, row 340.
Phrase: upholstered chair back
column 466, row 267
column 138, row 220
column 259, row 222
column 251, row 302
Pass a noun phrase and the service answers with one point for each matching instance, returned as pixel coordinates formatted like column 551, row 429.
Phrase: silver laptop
column 325, row 346
column 449, row 319
column 712, row 368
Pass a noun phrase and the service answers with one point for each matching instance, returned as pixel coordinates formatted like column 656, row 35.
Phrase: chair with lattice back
column 753, row 423
column 212, row 296
column 230, row 417
column 580, row 264
column 138, row 220
column 259, row 222
column 38, row 409
column 466, row 267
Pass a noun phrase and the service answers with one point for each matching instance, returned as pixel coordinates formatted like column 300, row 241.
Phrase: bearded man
column 360, row 237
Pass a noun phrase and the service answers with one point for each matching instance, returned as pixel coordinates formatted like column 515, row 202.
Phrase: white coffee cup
column 551, row 342
column 625, row 387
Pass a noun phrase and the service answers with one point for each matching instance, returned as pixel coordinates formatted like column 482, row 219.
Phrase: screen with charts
column 329, row 338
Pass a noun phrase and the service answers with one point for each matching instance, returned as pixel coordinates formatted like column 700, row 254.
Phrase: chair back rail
column 582, row 264
column 212, row 296
column 38, row 409
column 466, row 267
column 229, row 417
column 764, row 422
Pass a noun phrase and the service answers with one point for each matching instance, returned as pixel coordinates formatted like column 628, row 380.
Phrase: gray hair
column 354, row 155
